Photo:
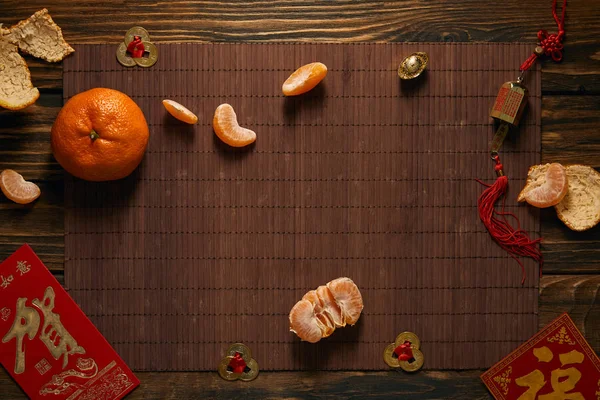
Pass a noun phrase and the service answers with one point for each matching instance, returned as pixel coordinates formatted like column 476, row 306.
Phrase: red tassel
column 515, row 241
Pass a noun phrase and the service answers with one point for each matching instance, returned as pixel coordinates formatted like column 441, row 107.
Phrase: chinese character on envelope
column 47, row 344
column 557, row 363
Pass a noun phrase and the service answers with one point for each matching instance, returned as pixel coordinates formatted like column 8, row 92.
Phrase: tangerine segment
column 348, row 298
column 228, row 130
column 322, row 314
column 180, row 112
column 304, row 323
column 17, row 189
column 304, row 79
column 330, row 307
column 552, row 191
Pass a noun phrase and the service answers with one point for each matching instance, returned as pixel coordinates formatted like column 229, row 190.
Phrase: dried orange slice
column 546, row 185
column 228, row 130
column 304, row 79
column 321, row 311
column 304, row 322
column 18, row 189
column 348, row 297
column 180, row 112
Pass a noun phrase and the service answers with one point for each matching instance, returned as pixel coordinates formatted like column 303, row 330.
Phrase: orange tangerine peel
column 335, row 305
column 180, row 112
column 226, row 127
column 304, row 79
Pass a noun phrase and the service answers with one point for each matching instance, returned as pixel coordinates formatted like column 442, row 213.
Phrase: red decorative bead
column 404, row 351
column 237, row 364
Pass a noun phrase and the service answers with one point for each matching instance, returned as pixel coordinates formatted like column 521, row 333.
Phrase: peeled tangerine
column 180, row 112
column 18, row 189
column 228, row 130
column 321, row 311
column 304, row 79
column 546, row 185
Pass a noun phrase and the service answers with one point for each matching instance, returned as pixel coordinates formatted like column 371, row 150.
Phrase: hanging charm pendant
column 238, row 364
column 510, row 102
column 404, row 353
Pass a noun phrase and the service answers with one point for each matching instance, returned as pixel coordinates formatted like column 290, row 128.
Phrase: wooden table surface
column 570, row 120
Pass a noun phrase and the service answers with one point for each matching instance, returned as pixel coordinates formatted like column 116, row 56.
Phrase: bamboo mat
column 364, row 177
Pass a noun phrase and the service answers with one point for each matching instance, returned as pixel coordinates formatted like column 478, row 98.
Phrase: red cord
column 237, row 363
column 515, row 241
column 136, row 48
column 551, row 44
column 404, row 351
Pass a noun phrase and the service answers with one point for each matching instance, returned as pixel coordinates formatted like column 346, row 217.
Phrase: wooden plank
column 570, row 129
column 290, row 385
column 578, row 295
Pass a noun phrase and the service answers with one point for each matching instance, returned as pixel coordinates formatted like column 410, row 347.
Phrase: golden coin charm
column 123, row 57
column 238, row 364
column 136, row 31
column 149, row 61
column 413, row 65
column 135, row 38
column 404, row 353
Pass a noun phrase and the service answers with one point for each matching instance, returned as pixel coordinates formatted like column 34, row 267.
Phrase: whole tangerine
column 100, row 135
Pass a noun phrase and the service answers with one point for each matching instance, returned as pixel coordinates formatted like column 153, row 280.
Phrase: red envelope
column 557, row 363
column 47, row 344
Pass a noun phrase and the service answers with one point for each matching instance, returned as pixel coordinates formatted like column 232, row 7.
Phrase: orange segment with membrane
column 304, row 79
column 304, row 323
column 228, row 130
column 327, row 325
column 180, row 112
column 330, row 307
column 17, row 189
column 552, row 190
column 320, row 311
column 348, row 297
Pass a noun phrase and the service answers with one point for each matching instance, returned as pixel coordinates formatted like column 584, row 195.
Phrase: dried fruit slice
column 39, row 36
column 16, row 89
column 546, row 185
column 580, row 208
column 348, row 297
column 304, row 322
column 304, row 79
column 330, row 307
column 180, row 112
column 18, row 189
column 228, row 130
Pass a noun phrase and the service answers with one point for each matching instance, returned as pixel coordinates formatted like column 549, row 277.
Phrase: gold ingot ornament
column 238, row 364
column 404, row 353
column 413, row 65
column 137, row 49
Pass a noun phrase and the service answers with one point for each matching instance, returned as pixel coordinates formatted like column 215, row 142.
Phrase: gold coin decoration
column 413, row 65
column 249, row 373
column 150, row 56
column 149, row 61
column 242, row 349
column 394, row 361
column 136, row 31
column 123, row 57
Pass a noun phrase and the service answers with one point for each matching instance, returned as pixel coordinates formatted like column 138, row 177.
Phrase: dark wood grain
column 301, row 385
column 570, row 135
